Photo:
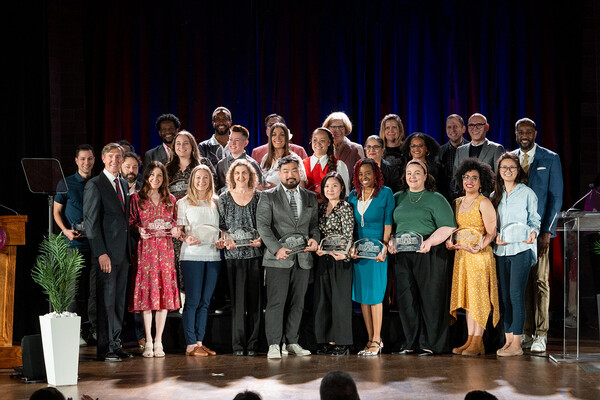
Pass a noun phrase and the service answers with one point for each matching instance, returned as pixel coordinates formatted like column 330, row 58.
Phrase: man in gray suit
column 167, row 126
column 481, row 148
column 284, row 210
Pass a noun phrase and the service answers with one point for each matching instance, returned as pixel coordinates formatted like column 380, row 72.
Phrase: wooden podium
column 14, row 227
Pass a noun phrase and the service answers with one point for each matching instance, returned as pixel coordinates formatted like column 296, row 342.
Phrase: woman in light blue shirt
column 515, row 203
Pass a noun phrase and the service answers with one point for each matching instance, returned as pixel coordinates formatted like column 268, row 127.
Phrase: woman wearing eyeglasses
column 340, row 126
column 516, row 203
column 374, row 148
column 474, row 282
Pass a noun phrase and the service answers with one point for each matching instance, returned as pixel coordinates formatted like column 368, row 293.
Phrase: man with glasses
column 167, row 126
column 259, row 152
column 545, row 179
column 480, row 147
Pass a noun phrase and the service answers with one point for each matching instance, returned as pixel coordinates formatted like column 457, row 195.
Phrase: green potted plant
column 56, row 270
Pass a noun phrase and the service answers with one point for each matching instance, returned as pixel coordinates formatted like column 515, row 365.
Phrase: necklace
column 470, row 205
column 415, row 201
column 363, row 205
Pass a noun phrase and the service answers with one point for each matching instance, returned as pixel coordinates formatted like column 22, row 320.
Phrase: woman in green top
column 421, row 277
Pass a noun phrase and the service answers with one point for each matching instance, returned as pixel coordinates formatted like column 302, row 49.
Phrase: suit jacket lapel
column 484, row 151
column 283, row 199
column 109, row 187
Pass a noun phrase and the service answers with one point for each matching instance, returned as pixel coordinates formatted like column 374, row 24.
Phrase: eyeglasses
column 417, row 146
column 373, row 147
column 504, row 168
column 480, row 125
column 473, row 178
column 337, row 127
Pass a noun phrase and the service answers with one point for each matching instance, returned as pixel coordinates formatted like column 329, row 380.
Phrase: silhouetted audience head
column 480, row 395
column 338, row 385
column 47, row 393
column 247, row 395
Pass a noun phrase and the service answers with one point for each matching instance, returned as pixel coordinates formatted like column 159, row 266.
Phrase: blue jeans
column 514, row 272
column 200, row 279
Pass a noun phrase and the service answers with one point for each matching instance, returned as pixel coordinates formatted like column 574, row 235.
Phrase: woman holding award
column 420, row 270
column 373, row 206
column 198, row 218
column 152, row 213
column 474, row 282
column 517, row 207
column 333, row 274
column 243, row 255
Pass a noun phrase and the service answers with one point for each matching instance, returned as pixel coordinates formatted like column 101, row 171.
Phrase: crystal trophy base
column 206, row 234
column 406, row 242
column 242, row 237
column 158, row 228
column 335, row 244
column 515, row 232
column 368, row 248
column 296, row 242
column 467, row 237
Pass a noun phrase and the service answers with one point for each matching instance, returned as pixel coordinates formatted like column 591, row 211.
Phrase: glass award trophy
column 467, row 237
column 158, row 227
column 406, row 242
column 296, row 242
column 515, row 232
column 243, row 236
column 368, row 248
column 205, row 233
column 335, row 244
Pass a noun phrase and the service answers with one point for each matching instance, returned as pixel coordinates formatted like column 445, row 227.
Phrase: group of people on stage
column 198, row 207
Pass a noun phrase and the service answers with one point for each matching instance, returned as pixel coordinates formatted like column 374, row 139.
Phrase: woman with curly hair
column 474, row 282
column 153, row 215
column 373, row 205
column 422, row 147
column 421, row 277
column 516, row 203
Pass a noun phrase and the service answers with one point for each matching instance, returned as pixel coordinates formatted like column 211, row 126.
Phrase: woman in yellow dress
column 474, row 282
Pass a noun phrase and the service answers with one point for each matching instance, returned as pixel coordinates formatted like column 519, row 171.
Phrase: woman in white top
column 198, row 219
column 279, row 146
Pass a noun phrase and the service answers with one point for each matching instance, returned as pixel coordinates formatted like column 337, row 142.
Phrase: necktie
column 293, row 205
column 119, row 193
column 525, row 163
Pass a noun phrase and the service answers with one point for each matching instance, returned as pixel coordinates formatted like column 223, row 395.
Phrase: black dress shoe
column 325, row 349
column 110, row 357
column 424, row 353
column 251, row 353
column 403, row 352
column 238, row 353
column 122, row 354
column 339, row 351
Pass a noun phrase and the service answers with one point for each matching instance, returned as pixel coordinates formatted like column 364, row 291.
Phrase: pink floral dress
column 155, row 280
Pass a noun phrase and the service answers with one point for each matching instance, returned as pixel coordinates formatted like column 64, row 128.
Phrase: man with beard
column 68, row 215
column 545, row 179
column 281, row 211
column 167, row 125
column 215, row 148
column 455, row 129
column 130, row 171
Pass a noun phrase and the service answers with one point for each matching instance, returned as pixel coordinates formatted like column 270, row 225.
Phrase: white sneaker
column 539, row 344
column 297, row 350
column 526, row 341
column 284, row 349
column 274, row 351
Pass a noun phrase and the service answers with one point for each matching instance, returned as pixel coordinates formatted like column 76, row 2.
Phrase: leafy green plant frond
column 596, row 246
column 57, row 269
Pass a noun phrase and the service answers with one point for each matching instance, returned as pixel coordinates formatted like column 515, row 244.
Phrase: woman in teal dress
column 373, row 207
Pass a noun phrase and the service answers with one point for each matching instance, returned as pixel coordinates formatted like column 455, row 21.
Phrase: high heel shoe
column 375, row 345
column 366, row 349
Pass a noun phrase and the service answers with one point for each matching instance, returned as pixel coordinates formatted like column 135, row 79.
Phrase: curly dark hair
column 486, row 175
column 376, row 171
column 168, row 117
column 433, row 147
column 499, row 182
column 429, row 181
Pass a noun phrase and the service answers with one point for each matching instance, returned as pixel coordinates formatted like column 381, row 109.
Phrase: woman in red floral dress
column 153, row 215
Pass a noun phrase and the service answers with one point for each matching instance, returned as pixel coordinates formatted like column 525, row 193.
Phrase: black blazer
column 106, row 224
column 156, row 154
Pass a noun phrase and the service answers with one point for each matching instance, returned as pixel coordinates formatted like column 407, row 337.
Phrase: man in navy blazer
column 167, row 126
column 545, row 179
column 106, row 215
column 283, row 210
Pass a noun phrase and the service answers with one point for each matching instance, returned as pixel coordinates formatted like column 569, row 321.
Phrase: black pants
column 422, row 293
column 245, row 287
column 333, row 301
column 285, row 287
column 111, row 294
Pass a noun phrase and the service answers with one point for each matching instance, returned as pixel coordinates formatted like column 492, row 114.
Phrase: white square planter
column 60, row 339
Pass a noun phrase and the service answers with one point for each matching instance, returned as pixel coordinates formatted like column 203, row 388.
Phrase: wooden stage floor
column 382, row 377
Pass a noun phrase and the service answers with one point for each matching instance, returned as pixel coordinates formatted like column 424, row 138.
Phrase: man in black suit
column 283, row 210
column 167, row 126
column 455, row 130
column 105, row 210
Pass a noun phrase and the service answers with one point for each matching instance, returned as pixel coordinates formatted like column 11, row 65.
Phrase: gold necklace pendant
column 415, row 201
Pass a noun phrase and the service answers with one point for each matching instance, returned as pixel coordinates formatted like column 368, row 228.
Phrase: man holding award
column 287, row 221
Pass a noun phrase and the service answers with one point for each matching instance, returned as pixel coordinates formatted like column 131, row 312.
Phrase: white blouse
column 201, row 222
